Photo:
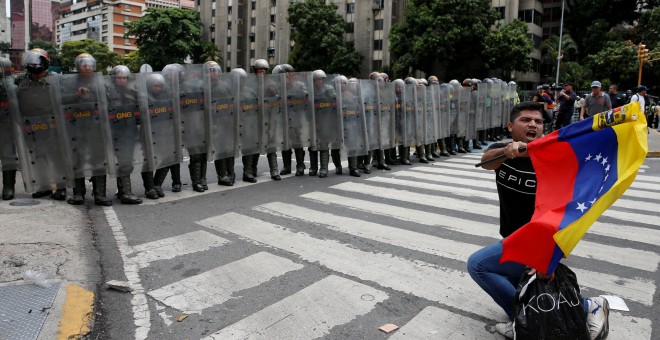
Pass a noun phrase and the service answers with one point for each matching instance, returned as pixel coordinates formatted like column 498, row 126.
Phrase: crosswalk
column 387, row 247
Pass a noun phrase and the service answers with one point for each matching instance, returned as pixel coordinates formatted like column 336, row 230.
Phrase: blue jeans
column 499, row 280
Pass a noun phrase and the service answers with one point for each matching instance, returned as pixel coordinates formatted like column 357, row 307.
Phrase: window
column 253, row 21
column 127, row 18
column 213, row 13
column 350, row 27
column 272, row 18
column 251, row 53
column 228, row 56
column 501, row 11
column 530, row 16
column 272, row 35
column 228, row 40
column 273, row 3
column 104, row 27
column 251, row 37
column 229, row 10
column 395, row 9
column 536, row 65
column 535, row 39
column 378, row 45
column 229, row 25
column 127, row 8
column 350, row 8
column 254, row 5
column 377, row 65
column 127, row 42
column 378, row 24
column 104, row 39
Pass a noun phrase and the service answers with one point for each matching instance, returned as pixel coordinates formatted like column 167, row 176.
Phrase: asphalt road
column 338, row 257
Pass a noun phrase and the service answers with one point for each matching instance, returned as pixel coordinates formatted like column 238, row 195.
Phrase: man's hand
column 82, row 91
column 513, row 150
column 541, row 276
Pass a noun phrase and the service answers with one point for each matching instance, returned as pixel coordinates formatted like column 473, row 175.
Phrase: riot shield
column 327, row 115
column 482, row 93
column 81, row 99
column 496, row 103
column 387, row 120
column 454, row 93
column 488, row 104
column 250, row 116
column 399, row 117
column 368, row 91
column 434, row 89
column 40, row 135
column 420, row 106
column 130, row 150
column 355, row 126
column 463, row 110
column 222, row 114
column 409, row 99
column 299, row 111
column 8, row 155
column 190, row 108
column 472, row 116
column 162, row 125
column 274, row 123
column 443, row 98
column 430, row 113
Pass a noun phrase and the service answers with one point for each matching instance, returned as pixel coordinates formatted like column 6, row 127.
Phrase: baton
column 520, row 149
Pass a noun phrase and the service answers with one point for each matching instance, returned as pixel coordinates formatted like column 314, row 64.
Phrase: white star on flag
column 604, row 161
column 592, row 201
column 582, row 207
column 588, row 158
column 598, row 157
column 607, row 168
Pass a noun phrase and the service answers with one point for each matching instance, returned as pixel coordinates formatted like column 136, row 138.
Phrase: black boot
column 127, row 196
column 367, row 162
column 195, row 168
column 460, row 141
column 421, row 153
column 379, row 160
column 476, row 144
column 452, row 145
column 286, row 162
column 314, row 162
column 60, row 194
column 325, row 160
column 300, row 161
column 390, row 156
column 230, row 169
column 272, row 164
column 159, row 178
column 221, row 170
column 404, row 154
column 176, row 177
column 247, row 169
column 148, row 182
column 352, row 167
column 336, row 160
column 78, row 197
column 255, row 162
column 428, row 148
column 99, row 185
column 8, row 183
column 443, row 148
column 203, row 166
column 42, row 193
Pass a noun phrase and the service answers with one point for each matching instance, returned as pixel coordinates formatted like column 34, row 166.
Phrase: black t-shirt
column 516, row 187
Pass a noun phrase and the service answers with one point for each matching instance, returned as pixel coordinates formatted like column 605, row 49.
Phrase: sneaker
column 506, row 329
column 597, row 318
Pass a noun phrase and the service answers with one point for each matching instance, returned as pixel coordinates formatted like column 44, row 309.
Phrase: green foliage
column 4, row 46
column 207, row 51
column 48, row 47
column 318, row 32
column 648, row 28
column 166, row 35
column 508, row 48
column 133, row 61
column 104, row 57
column 550, row 51
column 447, row 32
column 615, row 61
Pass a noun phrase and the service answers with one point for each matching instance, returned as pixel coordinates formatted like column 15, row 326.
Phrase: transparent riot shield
column 472, row 116
column 496, row 103
column 190, row 108
column 386, row 102
column 463, row 108
column 250, row 118
column 454, row 93
column 222, row 114
column 299, row 111
column 328, row 120
column 482, row 93
column 430, row 114
column 274, row 122
column 162, row 126
column 434, row 88
column 8, row 155
column 409, row 109
column 399, row 117
column 40, row 135
column 488, row 105
column 355, row 126
column 130, row 150
column 420, row 114
column 443, row 98
column 368, row 91
column 81, row 101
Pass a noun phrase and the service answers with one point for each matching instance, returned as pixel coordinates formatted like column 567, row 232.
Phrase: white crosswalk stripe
column 172, row 247
column 438, row 323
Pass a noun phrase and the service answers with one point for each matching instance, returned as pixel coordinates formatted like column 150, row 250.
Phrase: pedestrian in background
column 595, row 102
column 566, row 101
column 617, row 99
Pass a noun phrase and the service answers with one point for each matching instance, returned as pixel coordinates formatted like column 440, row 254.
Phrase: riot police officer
column 86, row 66
column 349, row 98
column 34, row 81
column 260, row 67
column 125, row 132
column 404, row 150
column 224, row 167
column 247, row 93
column 292, row 86
column 8, row 157
column 320, row 90
column 378, row 155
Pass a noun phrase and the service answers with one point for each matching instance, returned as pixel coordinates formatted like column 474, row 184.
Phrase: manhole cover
column 22, row 202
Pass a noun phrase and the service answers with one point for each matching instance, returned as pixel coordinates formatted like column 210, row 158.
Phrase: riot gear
column 423, row 81
column 328, row 123
column 282, row 68
column 260, row 66
column 374, row 74
column 36, row 61
column 8, row 156
column 433, row 80
column 85, row 63
column 411, row 80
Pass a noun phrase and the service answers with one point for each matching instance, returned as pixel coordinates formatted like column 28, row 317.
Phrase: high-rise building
column 31, row 20
column 5, row 26
column 99, row 20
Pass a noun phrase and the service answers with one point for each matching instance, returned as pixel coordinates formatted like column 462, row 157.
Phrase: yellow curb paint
column 76, row 313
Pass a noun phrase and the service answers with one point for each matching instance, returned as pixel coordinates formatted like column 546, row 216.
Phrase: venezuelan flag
column 581, row 170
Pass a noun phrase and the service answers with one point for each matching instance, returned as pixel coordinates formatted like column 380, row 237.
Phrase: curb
column 77, row 313
column 653, row 154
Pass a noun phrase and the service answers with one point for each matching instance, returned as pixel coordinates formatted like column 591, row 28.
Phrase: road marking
column 436, row 323
column 619, row 230
column 195, row 293
column 449, row 286
column 77, row 310
column 307, row 314
column 140, row 308
column 640, row 290
column 171, row 247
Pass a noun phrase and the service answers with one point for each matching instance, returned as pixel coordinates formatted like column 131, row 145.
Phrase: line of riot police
column 65, row 128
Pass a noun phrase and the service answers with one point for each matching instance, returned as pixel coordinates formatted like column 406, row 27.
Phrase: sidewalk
column 654, row 144
column 54, row 238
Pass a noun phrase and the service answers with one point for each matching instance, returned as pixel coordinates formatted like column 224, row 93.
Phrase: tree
column 166, row 35
column 442, row 32
column 617, row 62
column 4, row 46
column 508, row 48
column 50, row 48
column 104, row 57
column 207, row 51
column 133, row 61
column 318, row 33
column 550, row 49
